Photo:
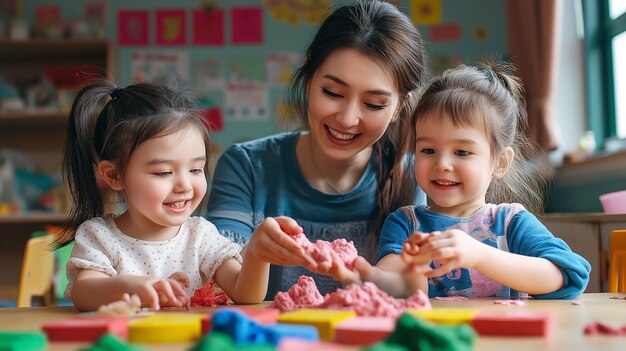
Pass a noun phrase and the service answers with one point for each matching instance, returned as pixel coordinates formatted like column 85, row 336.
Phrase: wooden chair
column 617, row 261
column 37, row 272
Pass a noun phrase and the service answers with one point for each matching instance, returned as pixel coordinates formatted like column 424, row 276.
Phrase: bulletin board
column 237, row 55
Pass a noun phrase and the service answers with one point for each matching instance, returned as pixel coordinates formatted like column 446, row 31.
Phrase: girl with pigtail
column 135, row 163
column 477, row 237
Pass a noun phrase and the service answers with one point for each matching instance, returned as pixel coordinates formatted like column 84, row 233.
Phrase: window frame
column 599, row 30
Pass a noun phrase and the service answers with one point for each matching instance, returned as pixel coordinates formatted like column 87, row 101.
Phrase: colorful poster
column 444, row 32
column 480, row 33
column 247, row 101
column 247, row 25
column 295, row 11
column 48, row 15
column 132, row 27
column 95, row 13
column 248, row 69
column 212, row 118
column 281, row 66
column 426, row 12
column 209, row 75
column 10, row 9
column 208, row 27
column 440, row 62
column 149, row 65
column 171, row 27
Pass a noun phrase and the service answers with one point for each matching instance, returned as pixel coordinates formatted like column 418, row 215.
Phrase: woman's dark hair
column 490, row 98
column 130, row 116
column 379, row 31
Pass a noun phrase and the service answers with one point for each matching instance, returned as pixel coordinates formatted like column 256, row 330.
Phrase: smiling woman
column 345, row 169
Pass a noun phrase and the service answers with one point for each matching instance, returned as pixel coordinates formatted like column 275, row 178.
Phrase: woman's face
column 352, row 100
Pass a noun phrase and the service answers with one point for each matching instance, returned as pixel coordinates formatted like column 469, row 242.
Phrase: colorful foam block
column 450, row 316
column 222, row 342
column 261, row 315
column 109, row 342
column 245, row 330
column 289, row 344
column 32, row 341
column 323, row 320
column 513, row 323
column 363, row 330
column 85, row 328
column 166, row 328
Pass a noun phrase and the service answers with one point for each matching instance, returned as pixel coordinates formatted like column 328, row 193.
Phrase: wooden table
column 570, row 322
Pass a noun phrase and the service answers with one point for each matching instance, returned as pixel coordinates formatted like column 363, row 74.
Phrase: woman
column 346, row 169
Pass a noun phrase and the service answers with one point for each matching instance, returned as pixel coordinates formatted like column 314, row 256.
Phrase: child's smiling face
column 453, row 165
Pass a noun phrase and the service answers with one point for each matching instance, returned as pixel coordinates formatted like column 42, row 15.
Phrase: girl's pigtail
column 81, row 158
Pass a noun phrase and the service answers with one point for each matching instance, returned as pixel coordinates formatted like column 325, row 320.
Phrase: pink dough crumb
column 617, row 297
column 206, row 296
column 599, row 328
column 450, row 298
column 517, row 302
column 365, row 299
column 303, row 294
column 577, row 302
column 325, row 252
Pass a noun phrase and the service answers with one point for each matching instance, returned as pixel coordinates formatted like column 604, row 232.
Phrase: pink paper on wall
column 445, row 32
column 171, row 27
column 47, row 15
column 132, row 28
column 208, row 27
column 247, row 25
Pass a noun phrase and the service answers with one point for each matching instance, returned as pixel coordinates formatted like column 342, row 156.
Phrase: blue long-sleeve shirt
column 262, row 178
column 508, row 227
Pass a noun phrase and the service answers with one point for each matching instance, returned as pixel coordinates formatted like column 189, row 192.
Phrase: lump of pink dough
column 368, row 300
column 325, row 252
column 303, row 294
column 450, row 298
column 517, row 302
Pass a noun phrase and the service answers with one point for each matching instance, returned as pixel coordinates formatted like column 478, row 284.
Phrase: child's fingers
column 166, row 293
column 419, row 259
column 443, row 269
column 341, row 273
column 178, row 290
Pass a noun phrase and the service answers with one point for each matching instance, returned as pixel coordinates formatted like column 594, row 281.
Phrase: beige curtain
column 534, row 36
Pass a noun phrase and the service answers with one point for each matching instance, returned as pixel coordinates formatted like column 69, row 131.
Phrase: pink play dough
column 365, row 299
column 325, row 252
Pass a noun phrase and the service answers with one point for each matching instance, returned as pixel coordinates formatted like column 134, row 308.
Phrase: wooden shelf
column 33, row 217
column 31, row 118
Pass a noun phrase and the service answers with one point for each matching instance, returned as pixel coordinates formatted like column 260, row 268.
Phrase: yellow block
column 323, row 320
column 166, row 328
column 451, row 316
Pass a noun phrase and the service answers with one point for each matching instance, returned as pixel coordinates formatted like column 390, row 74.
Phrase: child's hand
column 181, row 278
column 271, row 242
column 453, row 248
column 341, row 273
column 156, row 292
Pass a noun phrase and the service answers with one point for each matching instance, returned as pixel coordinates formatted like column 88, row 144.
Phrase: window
column 605, row 47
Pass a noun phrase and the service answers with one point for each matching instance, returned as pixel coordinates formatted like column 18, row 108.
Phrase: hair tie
column 115, row 93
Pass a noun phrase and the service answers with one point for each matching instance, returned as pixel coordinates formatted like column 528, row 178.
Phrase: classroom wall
column 455, row 31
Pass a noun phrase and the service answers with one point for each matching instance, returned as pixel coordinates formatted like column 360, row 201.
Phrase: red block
column 513, row 323
column 261, row 315
column 85, row 328
column 364, row 330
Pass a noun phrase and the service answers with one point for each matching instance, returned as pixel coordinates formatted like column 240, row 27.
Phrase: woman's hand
column 272, row 242
column 453, row 248
column 338, row 271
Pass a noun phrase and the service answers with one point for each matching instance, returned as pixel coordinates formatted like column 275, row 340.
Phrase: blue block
column 245, row 330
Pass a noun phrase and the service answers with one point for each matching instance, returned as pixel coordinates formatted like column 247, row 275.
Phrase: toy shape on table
column 323, row 320
column 165, row 328
column 32, row 341
column 513, row 323
column 245, row 330
column 223, row 342
column 289, row 344
column 449, row 316
column 617, row 261
column 85, row 328
column 414, row 333
column 599, row 328
column 362, row 330
column 109, row 342
column 261, row 315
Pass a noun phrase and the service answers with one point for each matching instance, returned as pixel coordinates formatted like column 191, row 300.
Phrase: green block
column 413, row 333
column 22, row 341
column 223, row 342
column 110, row 342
